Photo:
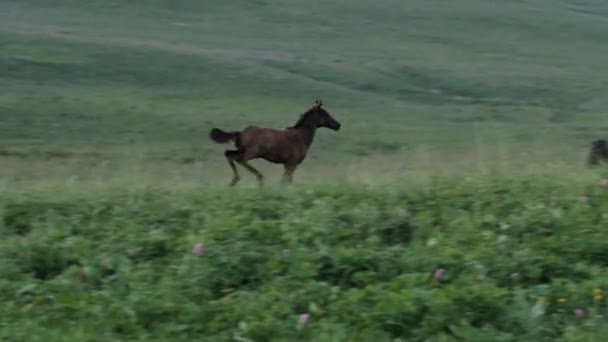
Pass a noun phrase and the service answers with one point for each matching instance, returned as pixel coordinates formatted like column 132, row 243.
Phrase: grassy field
column 458, row 119
column 102, row 89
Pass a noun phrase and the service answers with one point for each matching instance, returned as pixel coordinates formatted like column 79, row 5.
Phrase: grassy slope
column 149, row 80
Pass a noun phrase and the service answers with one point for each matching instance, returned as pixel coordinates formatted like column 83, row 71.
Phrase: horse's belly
column 282, row 152
column 274, row 159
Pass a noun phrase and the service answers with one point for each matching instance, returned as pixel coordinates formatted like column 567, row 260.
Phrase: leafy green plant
column 446, row 262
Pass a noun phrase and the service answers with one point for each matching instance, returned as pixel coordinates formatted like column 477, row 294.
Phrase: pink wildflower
column 438, row 274
column 579, row 312
column 303, row 320
column 198, row 249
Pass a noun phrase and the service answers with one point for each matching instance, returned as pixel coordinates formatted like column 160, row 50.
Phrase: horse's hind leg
column 241, row 160
column 230, row 156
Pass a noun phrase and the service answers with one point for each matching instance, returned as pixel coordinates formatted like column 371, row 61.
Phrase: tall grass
column 522, row 256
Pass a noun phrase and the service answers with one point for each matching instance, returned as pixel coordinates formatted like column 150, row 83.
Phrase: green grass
column 464, row 122
column 118, row 263
column 156, row 77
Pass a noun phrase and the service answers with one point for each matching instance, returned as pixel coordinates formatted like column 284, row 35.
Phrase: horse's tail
column 222, row 137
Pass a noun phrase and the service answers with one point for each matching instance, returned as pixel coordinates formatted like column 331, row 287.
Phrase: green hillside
column 410, row 81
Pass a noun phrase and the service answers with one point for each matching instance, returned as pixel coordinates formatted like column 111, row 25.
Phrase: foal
column 286, row 146
column 598, row 152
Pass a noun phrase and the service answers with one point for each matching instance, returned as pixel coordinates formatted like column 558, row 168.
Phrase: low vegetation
column 509, row 259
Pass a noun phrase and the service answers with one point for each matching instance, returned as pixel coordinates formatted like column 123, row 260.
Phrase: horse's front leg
column 288, row 174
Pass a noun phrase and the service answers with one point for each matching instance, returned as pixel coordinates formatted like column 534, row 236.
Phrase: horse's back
column 261, row 135
column 262, row 131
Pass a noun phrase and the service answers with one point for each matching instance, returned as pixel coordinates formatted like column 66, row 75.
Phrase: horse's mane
column 303, row 118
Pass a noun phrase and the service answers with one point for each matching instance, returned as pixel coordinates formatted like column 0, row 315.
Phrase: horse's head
column 599, row 144
column 321, row 118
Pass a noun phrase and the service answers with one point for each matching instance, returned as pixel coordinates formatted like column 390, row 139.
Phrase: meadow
column 454, row 203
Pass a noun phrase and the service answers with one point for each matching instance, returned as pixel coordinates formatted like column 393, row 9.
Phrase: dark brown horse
column 286, row 146
column 598, row 152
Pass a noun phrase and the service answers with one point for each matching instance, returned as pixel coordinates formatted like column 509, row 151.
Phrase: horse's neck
column 308, row 134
